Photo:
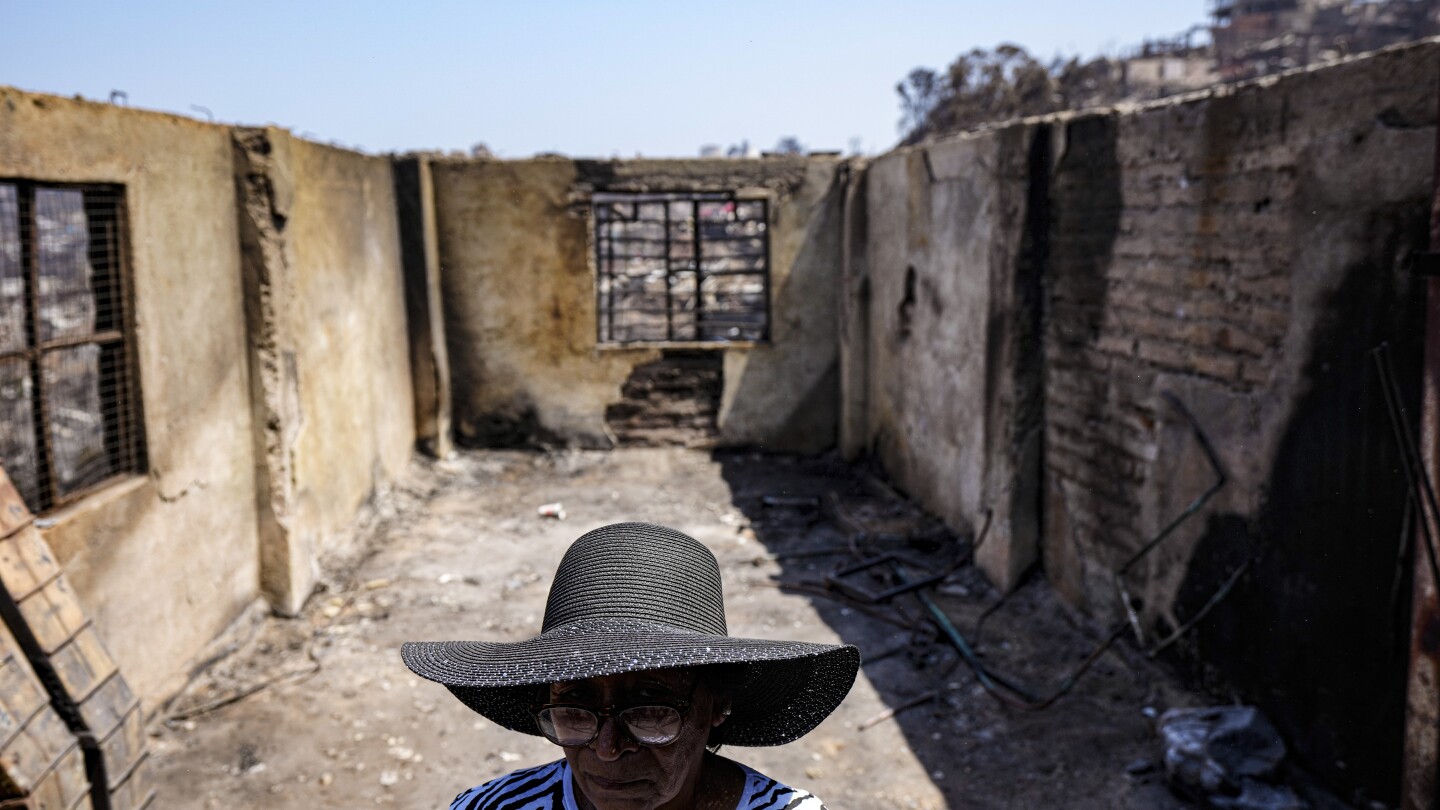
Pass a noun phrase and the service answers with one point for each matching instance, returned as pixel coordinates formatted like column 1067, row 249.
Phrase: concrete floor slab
column 330, row 718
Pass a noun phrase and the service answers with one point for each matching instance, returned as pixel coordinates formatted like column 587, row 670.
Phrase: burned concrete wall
column 1044, row 319
column 420, row 251
column 518, row 277
column 269, row 341
column 942, row 301
column 165, row 560
column 1239, row 255
column 330, row 352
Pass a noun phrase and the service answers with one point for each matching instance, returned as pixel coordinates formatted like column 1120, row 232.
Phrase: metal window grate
column 69, row 414
column 682, row 267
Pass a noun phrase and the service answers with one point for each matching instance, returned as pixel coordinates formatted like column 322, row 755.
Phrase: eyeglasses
column 653, row 724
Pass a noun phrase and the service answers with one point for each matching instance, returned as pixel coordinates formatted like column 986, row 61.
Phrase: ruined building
column 1143, row 342
column 1260, row 37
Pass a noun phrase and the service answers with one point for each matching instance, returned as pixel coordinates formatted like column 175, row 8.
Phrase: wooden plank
column 41, row 764
column 24, row 762
column 136, row 791
column 21, row 697
column 48, row 795
column 71, row 776
column 124, row 748
column 58, row 785
column 105, row 710
column 50, row 738
column 83, row 664
column 26, row 564
column 64, row 787
column 53, row 614
column 13, row 512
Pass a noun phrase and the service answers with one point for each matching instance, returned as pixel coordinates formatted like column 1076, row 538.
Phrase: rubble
column 471, row 561
column 1226, row 757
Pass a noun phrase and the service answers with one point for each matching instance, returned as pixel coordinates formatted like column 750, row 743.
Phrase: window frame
column 120, row 411
column 605, row 311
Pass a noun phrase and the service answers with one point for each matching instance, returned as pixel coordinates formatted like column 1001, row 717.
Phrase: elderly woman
column 634, row 677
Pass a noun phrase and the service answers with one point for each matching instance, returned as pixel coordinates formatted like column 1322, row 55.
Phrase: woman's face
column 614, row 771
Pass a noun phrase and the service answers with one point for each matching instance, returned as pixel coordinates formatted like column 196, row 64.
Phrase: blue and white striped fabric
column 548, row 787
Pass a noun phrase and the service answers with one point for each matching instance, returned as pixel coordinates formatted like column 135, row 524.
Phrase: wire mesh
column 681, row 267
column 69, row 419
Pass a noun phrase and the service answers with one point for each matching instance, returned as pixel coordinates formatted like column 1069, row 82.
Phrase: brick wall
column 1230, row 258
column 1243, row 251
column 670, row 401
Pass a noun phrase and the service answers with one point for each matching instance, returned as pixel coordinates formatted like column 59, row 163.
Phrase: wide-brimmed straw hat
column 631, row 597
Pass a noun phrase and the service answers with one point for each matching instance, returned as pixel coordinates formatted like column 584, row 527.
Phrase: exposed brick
column 1218, row 366
column 1269, row 320
column 1164, row 354
column 1103, row 484
column 1115, row 344
column 1235, row 339
column 1088, row 508
column 1273, row 287
column 1256, row 372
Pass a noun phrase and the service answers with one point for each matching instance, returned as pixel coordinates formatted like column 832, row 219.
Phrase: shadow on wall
column 785, row 396
column 1086, row 208
column 1328, row 659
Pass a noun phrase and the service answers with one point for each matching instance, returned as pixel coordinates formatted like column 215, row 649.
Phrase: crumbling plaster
column 998, row 317
column 164, row 561
column 519, row 291
column 329, row 342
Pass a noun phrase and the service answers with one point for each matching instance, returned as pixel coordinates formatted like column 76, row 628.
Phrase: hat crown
column 641, row 572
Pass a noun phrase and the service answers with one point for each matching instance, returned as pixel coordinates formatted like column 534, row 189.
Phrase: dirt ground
column 319, row 711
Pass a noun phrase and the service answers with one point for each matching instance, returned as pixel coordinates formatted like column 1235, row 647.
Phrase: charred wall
column 1119, row 280
column 331, row 386
column 270, row 347
column 185, row 530
column 520, row 306
column 672, row 401
column 1243, row 252
column 943, row 352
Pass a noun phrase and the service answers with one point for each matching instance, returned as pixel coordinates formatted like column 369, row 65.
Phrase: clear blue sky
column 581, row 78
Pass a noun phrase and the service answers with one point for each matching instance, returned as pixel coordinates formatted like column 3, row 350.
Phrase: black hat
column 631, row 597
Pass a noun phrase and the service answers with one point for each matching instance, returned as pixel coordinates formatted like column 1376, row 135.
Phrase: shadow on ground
column 1093, row 747
column 317, row 712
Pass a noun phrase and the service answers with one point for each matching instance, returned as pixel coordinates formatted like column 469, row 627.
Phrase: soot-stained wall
column 941, row 331
column 165, row 560
column 519, row 294
column 1091, row 282
column 269, row 323
column 1244, row 252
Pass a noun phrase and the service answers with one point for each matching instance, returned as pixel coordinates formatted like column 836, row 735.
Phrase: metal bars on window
column 69, row 416
column 681, row 268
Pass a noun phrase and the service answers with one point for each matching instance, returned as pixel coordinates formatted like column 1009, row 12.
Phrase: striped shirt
column 549, row 787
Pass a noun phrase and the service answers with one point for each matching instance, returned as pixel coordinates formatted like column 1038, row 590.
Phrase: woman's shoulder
column 764, row 793
column 539, row 788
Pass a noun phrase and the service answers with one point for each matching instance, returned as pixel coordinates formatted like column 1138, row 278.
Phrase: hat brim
column 790, row 686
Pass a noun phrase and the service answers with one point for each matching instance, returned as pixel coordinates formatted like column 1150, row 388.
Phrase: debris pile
column 1226, row 757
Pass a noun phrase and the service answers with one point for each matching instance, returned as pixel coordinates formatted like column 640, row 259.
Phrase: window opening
column 681, row 268
column 69, row 420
